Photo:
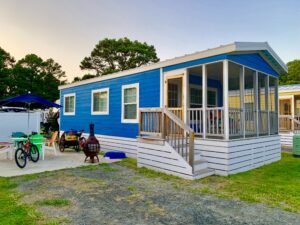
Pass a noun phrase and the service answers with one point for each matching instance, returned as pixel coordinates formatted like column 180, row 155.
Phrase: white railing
column 250, row 122
column 215, row 121
column 273, row 122
column 195, row 120
column 235, row 126
column 263, row 122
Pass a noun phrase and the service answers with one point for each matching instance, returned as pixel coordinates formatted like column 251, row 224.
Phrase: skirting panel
column 229, row 157
column 113, row 143
column 163, row 158
column 286, row 139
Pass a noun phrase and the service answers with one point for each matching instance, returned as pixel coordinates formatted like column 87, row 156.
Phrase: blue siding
column 254, row 61
column 195, row 62
column 149, row 87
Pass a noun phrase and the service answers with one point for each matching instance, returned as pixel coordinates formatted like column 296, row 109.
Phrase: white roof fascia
column 234, row 47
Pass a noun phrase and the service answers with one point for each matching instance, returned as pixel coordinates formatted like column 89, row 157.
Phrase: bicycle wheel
column 34, row 153
column 20, row 158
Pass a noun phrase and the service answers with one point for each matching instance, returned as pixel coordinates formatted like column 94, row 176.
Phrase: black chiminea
column 92, row 146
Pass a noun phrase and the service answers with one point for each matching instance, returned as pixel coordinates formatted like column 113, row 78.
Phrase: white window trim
column 92, row 101
column 70, row 113
column 123, row 120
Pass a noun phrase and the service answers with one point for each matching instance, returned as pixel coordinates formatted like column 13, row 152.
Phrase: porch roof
column 263, row 48
column 289, row 88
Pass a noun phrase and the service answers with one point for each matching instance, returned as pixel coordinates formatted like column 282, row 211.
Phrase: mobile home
column 210, row 112
column 289, row 112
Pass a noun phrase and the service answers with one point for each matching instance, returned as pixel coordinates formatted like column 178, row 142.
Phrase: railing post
column 242, row 102
column 204, row 99
column 225, row 99
column 257, row 103
column 140, row 122
column 191, row 150
column 163, row 127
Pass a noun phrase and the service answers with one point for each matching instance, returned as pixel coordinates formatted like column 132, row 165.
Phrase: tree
column 293, row 74
column 6, row 64
column 39, row 77
column 85, row 77
column 113, row 55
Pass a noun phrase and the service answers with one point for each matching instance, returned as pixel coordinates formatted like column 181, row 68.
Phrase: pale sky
column 68, row 30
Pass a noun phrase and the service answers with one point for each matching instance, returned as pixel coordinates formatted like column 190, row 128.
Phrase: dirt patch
column 113, row 194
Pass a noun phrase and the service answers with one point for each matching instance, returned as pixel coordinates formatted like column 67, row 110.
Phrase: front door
column 285, row 107
column 174, row 100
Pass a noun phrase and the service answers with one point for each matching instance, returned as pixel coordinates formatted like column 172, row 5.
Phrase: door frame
column 182, row 73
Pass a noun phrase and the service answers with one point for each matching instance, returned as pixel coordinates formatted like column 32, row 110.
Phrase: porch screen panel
column 249, row 101
column 273, row 105
column 262, row 104
column 234, row 95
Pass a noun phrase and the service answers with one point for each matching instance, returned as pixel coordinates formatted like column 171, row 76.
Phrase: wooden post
column 163, row 131
column 225, row 99
column 204, row 98
column 191, row 150
column 140, row 122
column 293, row 112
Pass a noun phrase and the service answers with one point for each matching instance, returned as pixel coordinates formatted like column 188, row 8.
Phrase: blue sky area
column 67, row 30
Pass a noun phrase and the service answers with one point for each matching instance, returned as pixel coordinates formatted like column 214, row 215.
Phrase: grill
column 91, row 147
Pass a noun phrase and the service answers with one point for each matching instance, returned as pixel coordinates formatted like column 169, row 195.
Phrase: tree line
column 42, row 77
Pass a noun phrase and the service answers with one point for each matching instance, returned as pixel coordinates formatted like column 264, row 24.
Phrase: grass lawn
column 277, row 185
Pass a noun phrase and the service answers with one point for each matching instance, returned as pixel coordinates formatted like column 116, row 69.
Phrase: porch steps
column 203, row 173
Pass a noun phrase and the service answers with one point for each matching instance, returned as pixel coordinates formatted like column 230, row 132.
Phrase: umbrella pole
column 28, row 119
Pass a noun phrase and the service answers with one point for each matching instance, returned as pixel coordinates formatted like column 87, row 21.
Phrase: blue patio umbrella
column 29, row 102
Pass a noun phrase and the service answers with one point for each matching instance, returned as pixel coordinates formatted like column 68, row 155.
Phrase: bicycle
column 28, row 151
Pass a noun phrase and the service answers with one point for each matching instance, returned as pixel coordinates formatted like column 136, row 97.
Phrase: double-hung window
column 130, row 103
column 100, row 102
column 69, row 104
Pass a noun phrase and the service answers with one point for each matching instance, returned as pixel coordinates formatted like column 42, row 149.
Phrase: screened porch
column 226, row 100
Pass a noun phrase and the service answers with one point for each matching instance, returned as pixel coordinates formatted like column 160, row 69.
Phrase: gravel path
column 118, row 195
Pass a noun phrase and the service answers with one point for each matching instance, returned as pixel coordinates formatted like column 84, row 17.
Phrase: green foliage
column 85, row 77
column 293, row 74
column 113, row 55
column 31, row 73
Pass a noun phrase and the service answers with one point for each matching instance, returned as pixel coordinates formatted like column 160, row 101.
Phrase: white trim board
column 230, row 48
column 137, row 86
column 92, row 102
column 70, row 113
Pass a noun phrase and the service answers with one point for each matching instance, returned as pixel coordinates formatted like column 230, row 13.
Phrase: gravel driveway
column 114, row 194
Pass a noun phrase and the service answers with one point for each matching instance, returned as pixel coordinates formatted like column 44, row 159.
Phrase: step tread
column 204, row 173
column 199, row 161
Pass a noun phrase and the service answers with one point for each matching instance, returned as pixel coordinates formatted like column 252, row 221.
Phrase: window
column 211, row 98
column 195, row 97
column 130, row 103
column 100, row 101
column 69, row 104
